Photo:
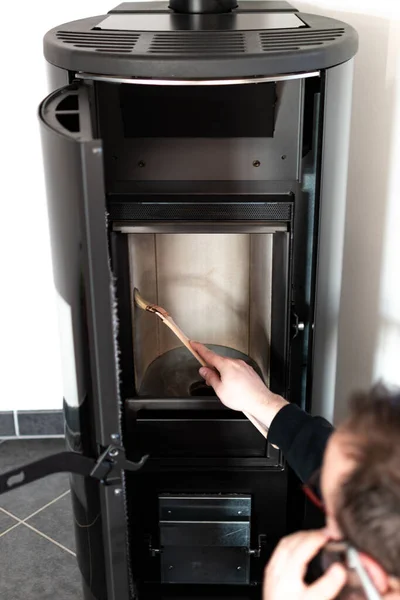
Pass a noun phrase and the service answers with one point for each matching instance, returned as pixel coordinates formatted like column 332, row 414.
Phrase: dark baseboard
column 7, row 425
column 27, row 423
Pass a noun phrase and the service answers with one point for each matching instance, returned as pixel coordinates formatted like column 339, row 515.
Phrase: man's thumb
column 211, row 376
column 329, row 585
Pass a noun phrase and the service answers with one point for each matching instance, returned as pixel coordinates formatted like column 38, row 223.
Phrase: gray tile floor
column 37, row 546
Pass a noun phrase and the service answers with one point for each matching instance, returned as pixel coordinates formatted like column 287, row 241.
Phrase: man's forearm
column 301, row 437
column 266, row 410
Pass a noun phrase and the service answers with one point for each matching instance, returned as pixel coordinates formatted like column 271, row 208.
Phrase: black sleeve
column 301, row 437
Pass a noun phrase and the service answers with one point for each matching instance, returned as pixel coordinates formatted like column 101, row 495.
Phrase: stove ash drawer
column 198, row 438
column 205, row 539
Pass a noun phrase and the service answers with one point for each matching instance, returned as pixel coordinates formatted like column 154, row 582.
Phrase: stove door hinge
column 106, row 468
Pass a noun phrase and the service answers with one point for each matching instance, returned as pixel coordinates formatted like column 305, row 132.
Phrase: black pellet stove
column 193, row 151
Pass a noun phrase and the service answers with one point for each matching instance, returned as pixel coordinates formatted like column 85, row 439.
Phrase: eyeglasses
column 340, row 551
column 348, row 556
column 312, row 490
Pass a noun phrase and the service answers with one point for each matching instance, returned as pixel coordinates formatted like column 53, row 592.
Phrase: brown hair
column 369, row 513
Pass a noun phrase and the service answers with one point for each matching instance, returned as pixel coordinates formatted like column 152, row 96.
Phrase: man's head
column 360, row 481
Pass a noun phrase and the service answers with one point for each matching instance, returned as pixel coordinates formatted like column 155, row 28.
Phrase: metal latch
column 106, row 468
column 297, row 325
column 256, row 552
column 154, row 552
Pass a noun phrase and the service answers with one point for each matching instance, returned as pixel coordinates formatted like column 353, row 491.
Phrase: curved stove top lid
column 148, row 40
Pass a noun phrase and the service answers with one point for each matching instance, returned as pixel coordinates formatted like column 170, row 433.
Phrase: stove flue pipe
column 202, row 6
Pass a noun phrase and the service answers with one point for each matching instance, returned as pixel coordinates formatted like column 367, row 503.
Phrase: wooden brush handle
column 169, row 322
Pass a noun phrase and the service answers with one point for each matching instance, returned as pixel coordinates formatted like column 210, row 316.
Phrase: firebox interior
column 216, row 286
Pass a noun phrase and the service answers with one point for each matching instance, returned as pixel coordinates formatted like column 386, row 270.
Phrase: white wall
column 369, row 319
column 30, row 373
column 369, row 327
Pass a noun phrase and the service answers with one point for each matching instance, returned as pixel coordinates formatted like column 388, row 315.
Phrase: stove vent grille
column 183, row 43
column 280, row 40
column 186, row 43
column 101, row 41
column 231, row 211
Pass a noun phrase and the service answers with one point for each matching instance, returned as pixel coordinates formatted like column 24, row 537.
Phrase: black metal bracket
column 106, row 468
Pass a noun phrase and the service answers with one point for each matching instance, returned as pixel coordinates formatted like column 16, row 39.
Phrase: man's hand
column 238, row 386
column 284, row 575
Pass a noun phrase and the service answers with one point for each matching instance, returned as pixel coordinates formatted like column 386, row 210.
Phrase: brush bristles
column 141, row 302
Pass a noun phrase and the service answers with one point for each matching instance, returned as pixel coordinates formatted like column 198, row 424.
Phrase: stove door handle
column 106, row 468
